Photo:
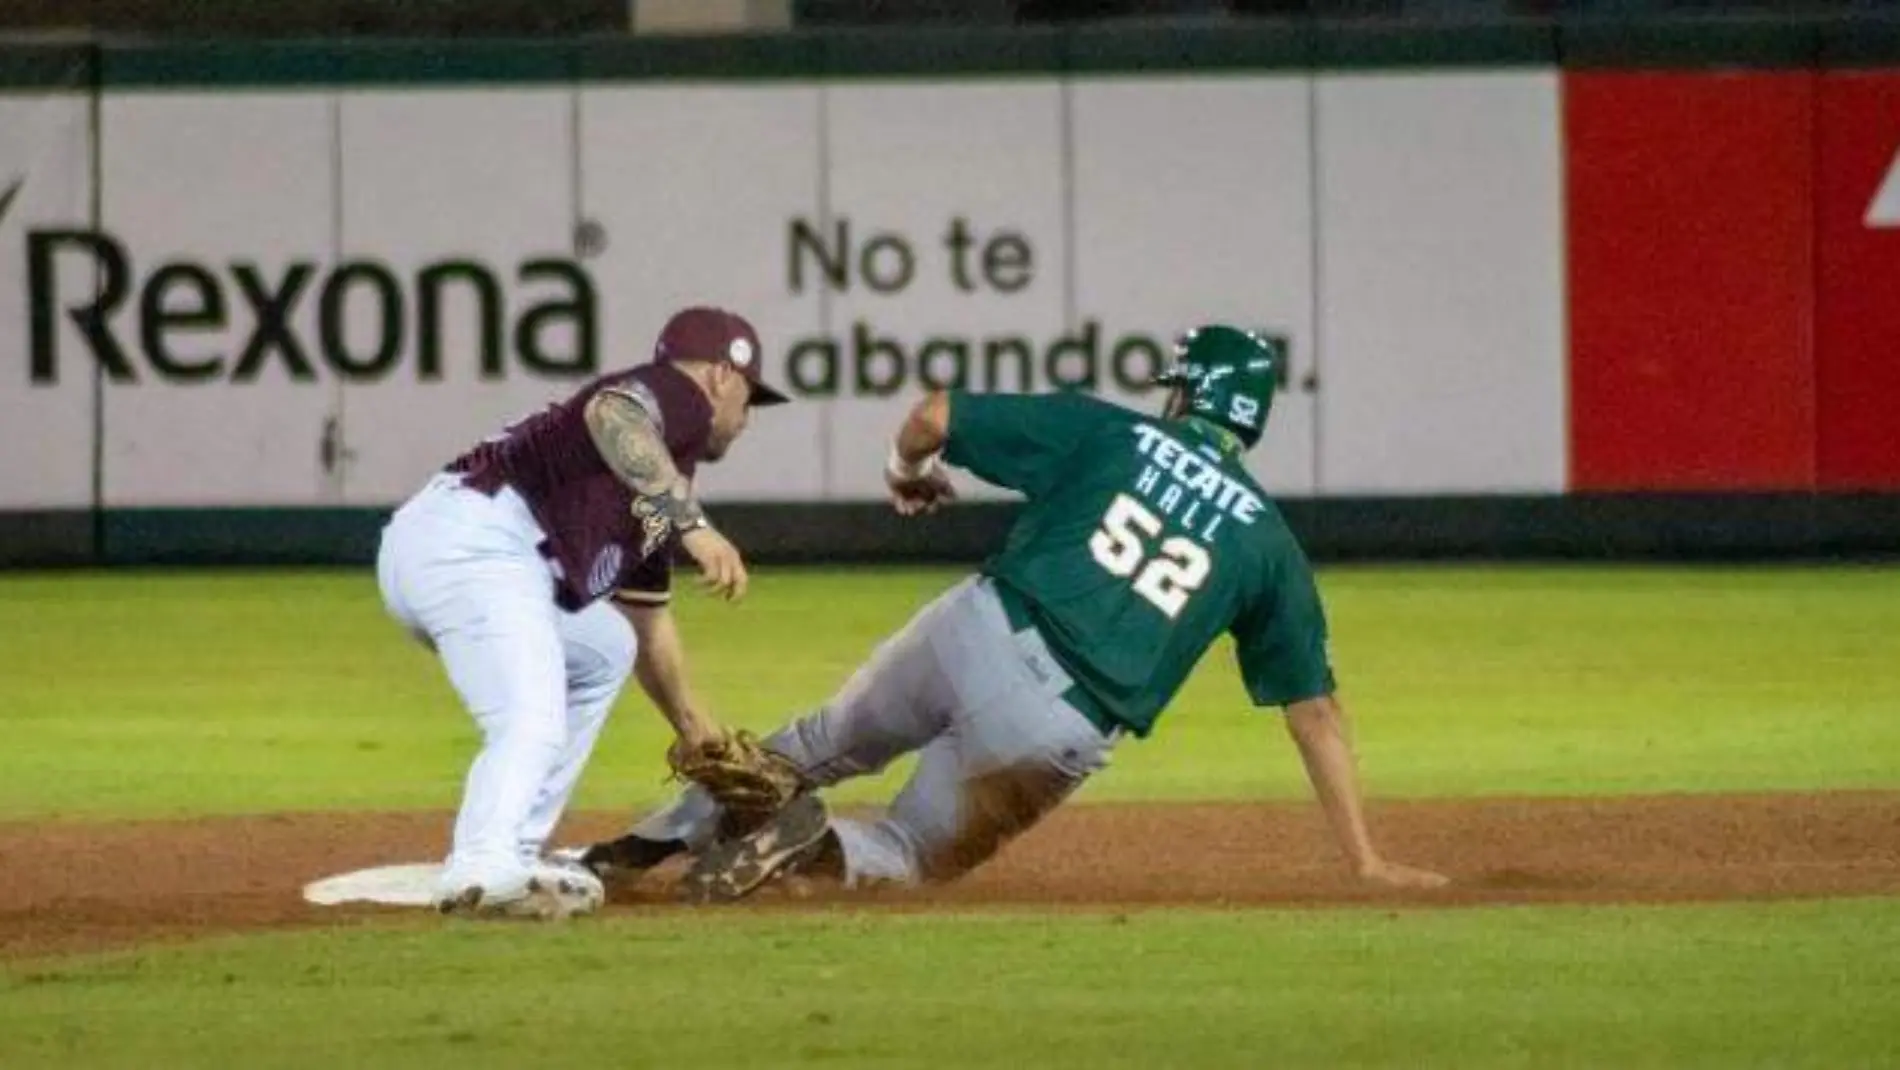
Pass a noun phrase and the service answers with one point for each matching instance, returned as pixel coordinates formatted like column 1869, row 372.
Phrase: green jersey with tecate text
column 1142, row 541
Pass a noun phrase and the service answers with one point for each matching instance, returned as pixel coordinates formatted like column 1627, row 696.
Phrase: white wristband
column 906, row 472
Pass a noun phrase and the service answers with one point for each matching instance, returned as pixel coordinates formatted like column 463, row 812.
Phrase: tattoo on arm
column 631, row 444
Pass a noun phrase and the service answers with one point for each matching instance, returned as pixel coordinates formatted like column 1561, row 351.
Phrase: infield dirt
column 68, row 886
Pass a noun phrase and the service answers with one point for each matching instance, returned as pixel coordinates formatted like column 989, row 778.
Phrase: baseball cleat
column 476, row 901
column 621, row 859
column 465, row 902
column 733, row 869
column 555, row 892
column 567, row 890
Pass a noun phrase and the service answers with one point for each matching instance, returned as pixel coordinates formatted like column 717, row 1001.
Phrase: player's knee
column 605, row 661
column 530, row 731
column 809, row 744
column 612, row 667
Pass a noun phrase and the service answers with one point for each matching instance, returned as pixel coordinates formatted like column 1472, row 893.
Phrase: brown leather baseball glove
column 749, row 780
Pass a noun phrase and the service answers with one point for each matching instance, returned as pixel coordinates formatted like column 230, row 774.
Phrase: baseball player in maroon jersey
column 537, row 567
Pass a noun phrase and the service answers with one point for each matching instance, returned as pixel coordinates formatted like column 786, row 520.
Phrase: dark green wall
column 1113, row 48
column 1543, row 528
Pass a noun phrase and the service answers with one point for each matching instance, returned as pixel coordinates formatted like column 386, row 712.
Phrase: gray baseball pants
column 980, row 702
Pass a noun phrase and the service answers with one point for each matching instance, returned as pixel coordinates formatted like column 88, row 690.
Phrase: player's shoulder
column 1062, row 414
column 624, row 383
column 1280, row 557
column 1267, row 531
column 636, row 382
column 665, row 392
column 1088, row 409
column 1244, row 476
column 1051, row 400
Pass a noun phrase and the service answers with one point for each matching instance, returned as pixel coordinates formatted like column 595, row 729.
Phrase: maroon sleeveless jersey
column 583, row 508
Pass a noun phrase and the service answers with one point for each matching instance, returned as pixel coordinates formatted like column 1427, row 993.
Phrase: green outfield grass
column 142, row 693
column 1785, row 985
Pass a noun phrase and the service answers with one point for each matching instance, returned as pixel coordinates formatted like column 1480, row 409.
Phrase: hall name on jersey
column 1188, row 485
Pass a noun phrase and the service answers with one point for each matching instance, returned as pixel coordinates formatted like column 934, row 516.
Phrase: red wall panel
column 1691, row 280
column 1858, row 329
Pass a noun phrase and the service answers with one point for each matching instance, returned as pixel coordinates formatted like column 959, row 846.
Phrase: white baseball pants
column 463, row 572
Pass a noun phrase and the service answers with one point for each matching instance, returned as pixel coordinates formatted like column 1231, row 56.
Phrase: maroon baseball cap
column 702, row 333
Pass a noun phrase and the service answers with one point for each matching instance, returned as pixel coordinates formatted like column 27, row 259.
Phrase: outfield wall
column 1547, row 292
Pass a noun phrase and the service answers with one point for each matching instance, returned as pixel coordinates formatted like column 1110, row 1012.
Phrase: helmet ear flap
column 1175, row 405
column 1179, row 371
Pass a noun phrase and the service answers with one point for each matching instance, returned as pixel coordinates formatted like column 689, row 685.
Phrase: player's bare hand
column 911, row 497
column 1394, row 875
column 722, row 570
column 693, row 737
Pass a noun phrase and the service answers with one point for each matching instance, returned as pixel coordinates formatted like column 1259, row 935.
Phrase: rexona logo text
column 179, row 320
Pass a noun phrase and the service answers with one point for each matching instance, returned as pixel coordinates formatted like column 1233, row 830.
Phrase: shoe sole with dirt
column 554, row 899
column 734, row 869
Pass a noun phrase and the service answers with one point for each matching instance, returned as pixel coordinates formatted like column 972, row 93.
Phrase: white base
column 411, row 884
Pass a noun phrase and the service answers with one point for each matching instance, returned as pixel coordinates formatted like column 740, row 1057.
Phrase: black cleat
column 629, row 854
column 622, row 860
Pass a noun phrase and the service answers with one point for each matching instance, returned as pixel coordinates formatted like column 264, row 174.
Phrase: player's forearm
column 674, row 701
column 1318, row 728
column 635, row 451
column 660, row 668
column 925, row 430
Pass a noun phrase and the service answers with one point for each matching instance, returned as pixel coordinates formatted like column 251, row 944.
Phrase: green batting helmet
column 1229, row 376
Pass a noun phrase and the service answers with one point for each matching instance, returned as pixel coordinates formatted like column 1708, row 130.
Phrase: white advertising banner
column 944, row 254
column 46, row 394
column 694, row 193
column 468, row 307
column 1441, row 284
column 1192, row 204
column 219, row 224
column 318, row 297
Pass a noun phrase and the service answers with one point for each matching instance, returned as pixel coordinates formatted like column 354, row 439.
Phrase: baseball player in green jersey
column 1142, row 541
